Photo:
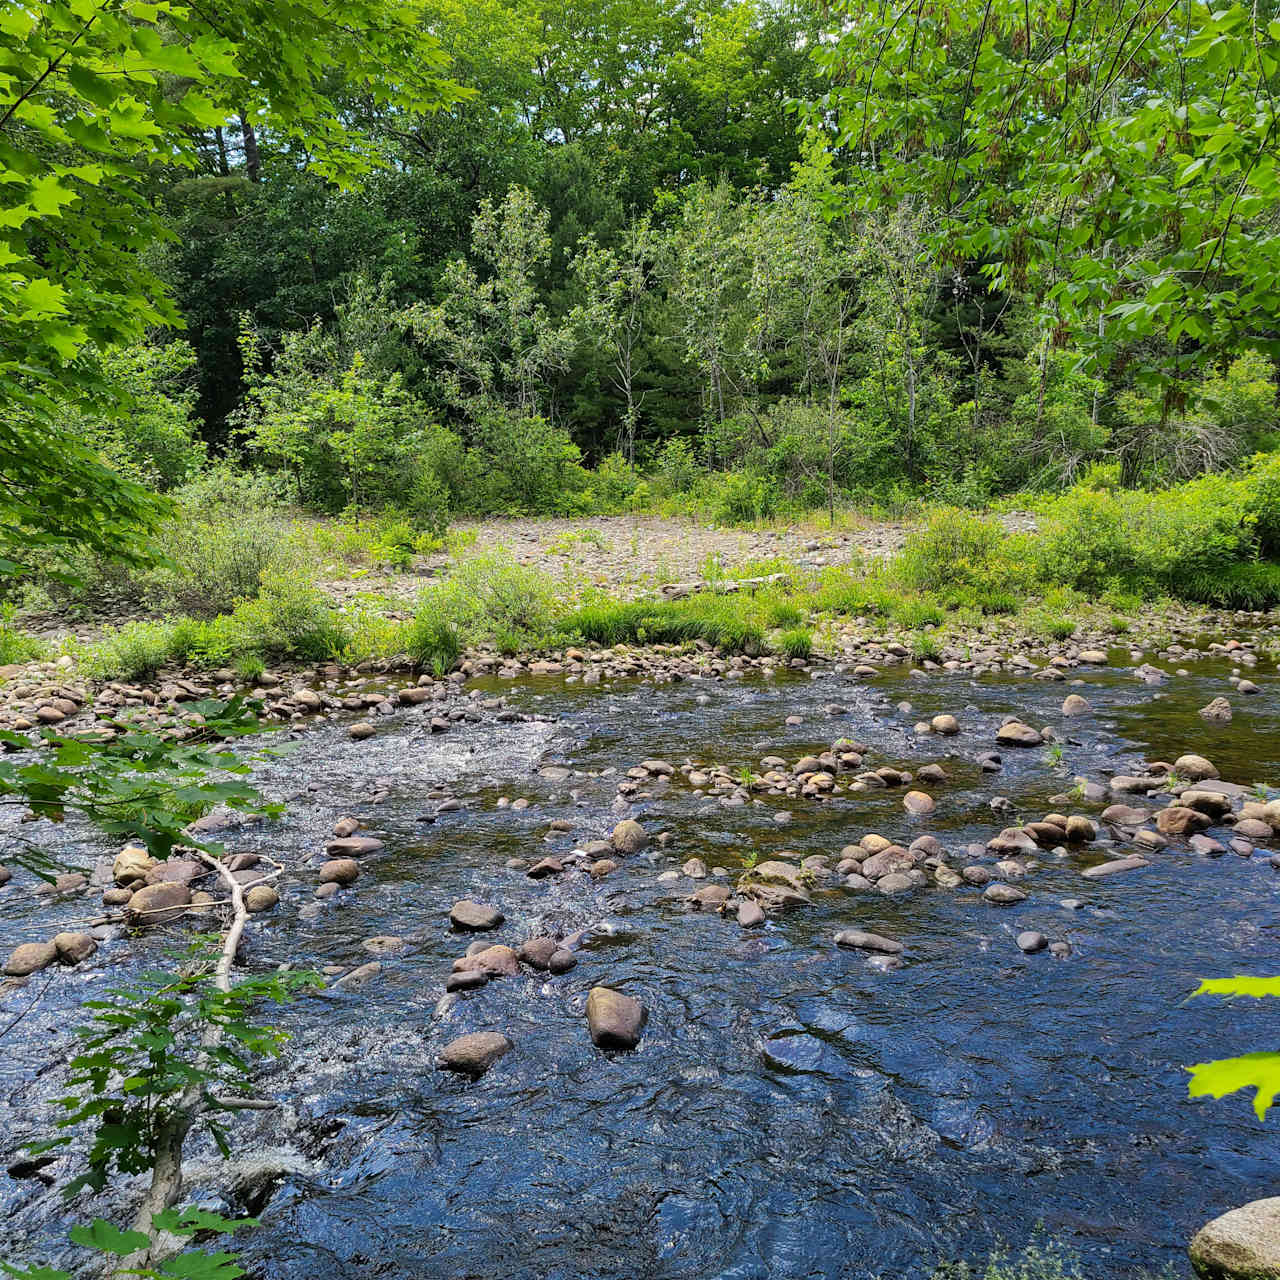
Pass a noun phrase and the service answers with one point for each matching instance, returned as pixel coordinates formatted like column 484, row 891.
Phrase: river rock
column 131, row 863
column 158, row 903
column 496, row 961
column 629, row 836
column 262, row 897
column 1115, row 867
column 895, row 882
column 467, row 980
column 339, row 871
column 361, row 730
column 1080, row 829
column 545, row 867
column 1214, row 803
column 30, row 957
column 1030, row 941
column 1243, row 1244
column 1074, row 705
column 918, row 802
column 358, row 977
column 1195, row 768
column 1125, row 815
column 474, row 916
column 947, row 725
column 72, row 948
column 750, row 915
column 474, row 1054
column 1178, row 820
column 537, row 952
column 1012, row 840
column 1253, row 829
column 353, row 846
column 1003, row 895
column 861, row 940
column 1219, row 711
column 976, row 875
column 695, row 869
column 562, row 960
column 613, row 1019
column 1017, row 734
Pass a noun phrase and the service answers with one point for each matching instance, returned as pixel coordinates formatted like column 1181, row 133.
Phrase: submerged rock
column 861, row 940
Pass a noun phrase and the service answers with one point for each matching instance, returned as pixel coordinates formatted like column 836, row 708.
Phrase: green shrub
column 15, row 645
column 912, row 612
column 796, row 643
column 499, row 594
column 925, row 647
column 744, row 499
column 952, row 548
column 289, row 618
column 136, row 650
column 433, row 639
column 1248, row 585
column 613, row 484
column 676, row 466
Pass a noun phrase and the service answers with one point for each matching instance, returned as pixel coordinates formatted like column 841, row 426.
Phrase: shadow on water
column 793, row 1110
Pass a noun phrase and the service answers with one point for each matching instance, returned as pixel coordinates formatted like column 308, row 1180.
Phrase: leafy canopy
column 98, row 100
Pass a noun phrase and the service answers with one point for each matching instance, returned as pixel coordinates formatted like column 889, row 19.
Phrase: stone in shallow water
column 474, row 1054
column 1031, row 941
column 614, row 1020
column 861, row 940
column 1114, row 867
column 30, row 957
column 1243, row 1244
column 473, row 915
column 1003, row 895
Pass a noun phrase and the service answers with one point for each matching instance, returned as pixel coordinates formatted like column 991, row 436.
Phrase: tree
column 98, row 98
column 617, row 285
column 494, row 330
column 1116, row 165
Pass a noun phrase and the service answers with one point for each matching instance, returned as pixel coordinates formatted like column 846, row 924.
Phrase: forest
column 487, row 473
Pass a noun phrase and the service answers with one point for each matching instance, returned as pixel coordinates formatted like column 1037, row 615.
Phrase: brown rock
column 72, row 948
column 30, row 957
column 159, row 903
column 339, row 871
column 474, row 1054
column 613, row 1019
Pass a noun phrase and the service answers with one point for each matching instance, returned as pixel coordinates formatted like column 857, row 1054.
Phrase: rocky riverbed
column 733, row 969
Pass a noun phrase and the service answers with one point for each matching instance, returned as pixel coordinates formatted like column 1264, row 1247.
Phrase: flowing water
column 793, row 1110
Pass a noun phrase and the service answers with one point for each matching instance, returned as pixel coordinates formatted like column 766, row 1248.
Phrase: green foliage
column 152, row 438
column 953, row 548
column 1257, row 1071
column 432, row 638
column 16, row 645
column 147, row 1045
column 122, row 784
column 289, row 618
column 744, row 499
column 131, row 652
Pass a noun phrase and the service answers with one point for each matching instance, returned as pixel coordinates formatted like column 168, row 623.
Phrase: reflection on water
column 793, row 1110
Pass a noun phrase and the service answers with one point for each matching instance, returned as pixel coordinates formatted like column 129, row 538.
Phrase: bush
column 501, row 595
column 613, row 484
column 289, row 618
column 15, row 645
column 133, row 651
column 953, row 548
column 433, row 639
column 744, row 499
column 533, row 467
column 226, row 536
column 676, row 466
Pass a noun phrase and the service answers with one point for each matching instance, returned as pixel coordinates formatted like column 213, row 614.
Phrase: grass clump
column 433, row 640
column 728, row 623
column 16, row 645
column 796, row 643
column 131, row 652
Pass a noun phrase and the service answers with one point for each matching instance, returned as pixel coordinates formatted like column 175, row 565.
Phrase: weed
column 796, row 643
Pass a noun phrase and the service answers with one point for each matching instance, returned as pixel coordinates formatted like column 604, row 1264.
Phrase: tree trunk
column 252, row 160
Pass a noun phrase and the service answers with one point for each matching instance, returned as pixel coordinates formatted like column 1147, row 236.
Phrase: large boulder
column 614, row 1020
column 131, row 863
column 1243, row 1244
column 1195, row 768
